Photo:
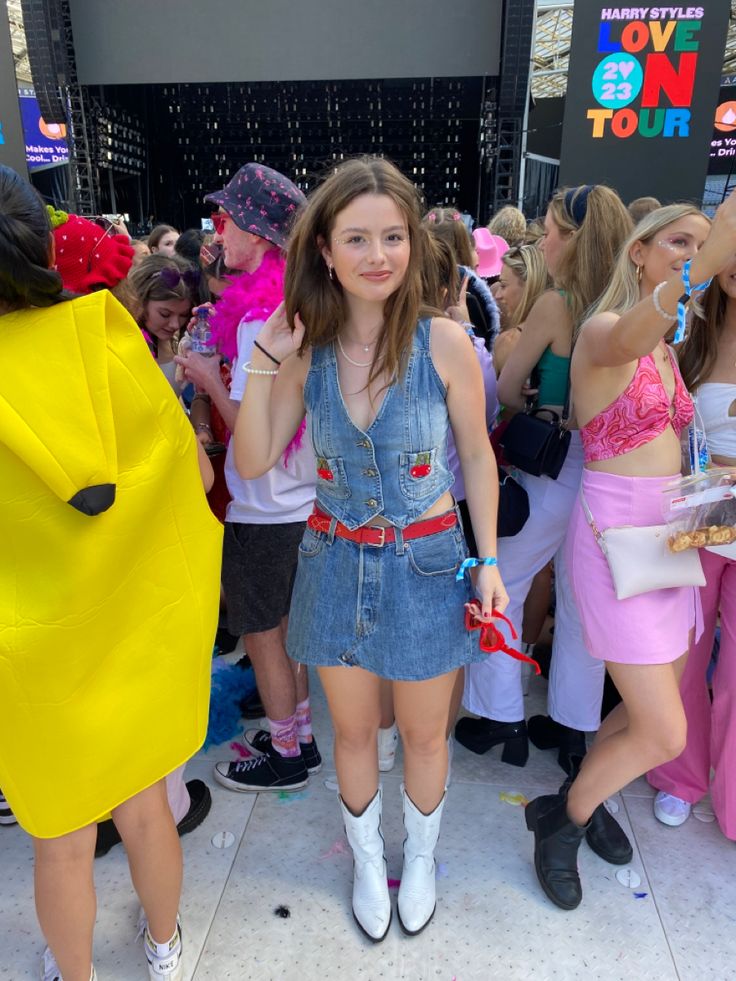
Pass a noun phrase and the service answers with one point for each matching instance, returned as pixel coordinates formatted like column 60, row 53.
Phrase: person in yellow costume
column 109, row 591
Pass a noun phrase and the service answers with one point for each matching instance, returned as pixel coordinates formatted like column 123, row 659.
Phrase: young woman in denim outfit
column 376, row 594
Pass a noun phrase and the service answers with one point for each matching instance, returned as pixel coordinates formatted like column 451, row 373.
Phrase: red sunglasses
column 218, row 220
column 491, row 639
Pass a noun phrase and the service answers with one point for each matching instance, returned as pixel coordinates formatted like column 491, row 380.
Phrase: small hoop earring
column 639, row 274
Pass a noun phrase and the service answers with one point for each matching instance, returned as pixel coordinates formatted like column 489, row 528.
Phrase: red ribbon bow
column 491, row 639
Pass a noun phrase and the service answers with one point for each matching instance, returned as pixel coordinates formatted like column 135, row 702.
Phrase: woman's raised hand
column 277, row 336
column 720, row 246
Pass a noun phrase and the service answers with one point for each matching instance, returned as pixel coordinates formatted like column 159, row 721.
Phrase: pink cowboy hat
column 490, row 249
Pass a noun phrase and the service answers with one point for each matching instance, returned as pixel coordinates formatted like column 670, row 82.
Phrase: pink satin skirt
column 652, row 628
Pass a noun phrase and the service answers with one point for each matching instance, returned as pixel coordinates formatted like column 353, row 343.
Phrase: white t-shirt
column 284, row 494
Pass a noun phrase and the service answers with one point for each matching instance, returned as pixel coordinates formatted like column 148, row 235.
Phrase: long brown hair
column 447, row 224
column 699, row 352
column 319, row 300
column 598, row 223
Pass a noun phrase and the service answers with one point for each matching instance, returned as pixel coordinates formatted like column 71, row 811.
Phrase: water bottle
column 203, row 341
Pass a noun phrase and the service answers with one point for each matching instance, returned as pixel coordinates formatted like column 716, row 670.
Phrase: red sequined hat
column 88, row 257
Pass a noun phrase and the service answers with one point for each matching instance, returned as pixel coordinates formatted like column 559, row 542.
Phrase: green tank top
column 553, row 372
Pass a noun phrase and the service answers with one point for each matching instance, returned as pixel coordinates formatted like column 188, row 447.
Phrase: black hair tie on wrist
column 264, row 351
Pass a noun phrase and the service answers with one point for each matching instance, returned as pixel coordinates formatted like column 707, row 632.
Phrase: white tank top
column 714, row 401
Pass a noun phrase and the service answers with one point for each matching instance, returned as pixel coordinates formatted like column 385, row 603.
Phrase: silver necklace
column 358, row 364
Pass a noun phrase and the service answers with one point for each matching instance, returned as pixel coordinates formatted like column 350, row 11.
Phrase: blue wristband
column 689, row 290
column 471, row 563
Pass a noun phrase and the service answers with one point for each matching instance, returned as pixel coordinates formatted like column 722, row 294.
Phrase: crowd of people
column 421, row 439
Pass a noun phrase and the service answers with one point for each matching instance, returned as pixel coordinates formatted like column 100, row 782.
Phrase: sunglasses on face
column 218, row 221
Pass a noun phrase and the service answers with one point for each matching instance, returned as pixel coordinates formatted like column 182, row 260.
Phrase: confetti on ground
column 340, row 847
column 629, row 878
column 394, row 883
column 240, row 749
column 512, row 798
column 640, row 895
column 331, row 783
column 283, row 912
column 441, row 871
column 223, row 839
column 611, row 806
column 287, row 797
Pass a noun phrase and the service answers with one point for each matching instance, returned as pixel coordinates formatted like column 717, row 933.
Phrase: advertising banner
column 642, row 90
column 723, row 143
column 46, row 143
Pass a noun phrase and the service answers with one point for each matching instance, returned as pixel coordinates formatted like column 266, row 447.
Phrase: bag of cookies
column 700, row 510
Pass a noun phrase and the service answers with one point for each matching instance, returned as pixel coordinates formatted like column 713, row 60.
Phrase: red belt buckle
column 491, row 639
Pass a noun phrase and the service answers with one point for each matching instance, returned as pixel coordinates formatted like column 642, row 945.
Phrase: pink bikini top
column 640, row 414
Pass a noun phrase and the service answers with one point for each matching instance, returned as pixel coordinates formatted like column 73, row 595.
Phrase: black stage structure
column 168, row 100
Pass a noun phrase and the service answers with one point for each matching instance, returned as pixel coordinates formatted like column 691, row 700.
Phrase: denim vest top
column 397, row 468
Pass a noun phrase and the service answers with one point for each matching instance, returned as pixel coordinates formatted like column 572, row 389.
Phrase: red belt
column 377, row 535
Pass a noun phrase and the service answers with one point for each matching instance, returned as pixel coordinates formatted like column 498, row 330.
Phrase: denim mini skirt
column 394, row 610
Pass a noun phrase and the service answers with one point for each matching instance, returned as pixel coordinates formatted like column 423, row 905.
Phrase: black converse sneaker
column 6, row 815
column 259, row 743
column 267, row 772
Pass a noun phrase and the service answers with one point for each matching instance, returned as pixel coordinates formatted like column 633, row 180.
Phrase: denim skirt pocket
column 437, row 555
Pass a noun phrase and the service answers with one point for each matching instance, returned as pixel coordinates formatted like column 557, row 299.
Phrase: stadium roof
column 550, row 57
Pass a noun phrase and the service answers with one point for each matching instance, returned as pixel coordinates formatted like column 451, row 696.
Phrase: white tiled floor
column 492, row 920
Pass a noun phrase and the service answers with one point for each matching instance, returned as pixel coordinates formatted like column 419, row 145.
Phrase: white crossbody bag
column 640, row 560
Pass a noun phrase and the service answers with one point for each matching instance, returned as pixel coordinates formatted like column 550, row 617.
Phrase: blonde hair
column 597, row 222
column 510, row 224
column 527, row 262
column 622, row 292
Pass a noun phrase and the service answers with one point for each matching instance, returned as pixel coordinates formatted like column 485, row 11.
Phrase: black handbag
column 536, row 445
column 537, row 440
column 513, row 506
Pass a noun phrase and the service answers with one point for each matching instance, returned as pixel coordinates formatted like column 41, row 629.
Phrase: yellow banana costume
column 109, row 567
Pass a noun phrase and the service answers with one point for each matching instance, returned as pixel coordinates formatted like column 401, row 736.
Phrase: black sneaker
column 272, row 772
column 259, row 743
column 6, row 815
column 200, row 802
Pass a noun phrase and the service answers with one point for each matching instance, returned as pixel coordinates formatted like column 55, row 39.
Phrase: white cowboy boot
column 388, row 740
column 417, row 894
column 371, row 901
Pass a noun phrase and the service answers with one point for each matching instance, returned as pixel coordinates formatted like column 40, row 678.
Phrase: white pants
column 493, row 687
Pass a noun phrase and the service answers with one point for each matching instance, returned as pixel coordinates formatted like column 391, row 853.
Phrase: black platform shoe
column 479, row 735
column 545, row 733
column 556, row 844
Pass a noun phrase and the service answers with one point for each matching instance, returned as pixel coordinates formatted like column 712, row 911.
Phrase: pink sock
column 283, row 736
column 304, row 721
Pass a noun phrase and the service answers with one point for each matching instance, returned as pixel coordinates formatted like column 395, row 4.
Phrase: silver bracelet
column 658, row 306
column 258, row 371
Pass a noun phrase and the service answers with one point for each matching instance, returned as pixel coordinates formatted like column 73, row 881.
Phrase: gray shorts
column 258, row 568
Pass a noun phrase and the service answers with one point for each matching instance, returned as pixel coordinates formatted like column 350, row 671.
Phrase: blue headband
column 576, row 202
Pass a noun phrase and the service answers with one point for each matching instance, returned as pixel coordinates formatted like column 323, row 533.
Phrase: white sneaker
column 671, row 810
column 166, row 966
column 388, row 740
column 50, row 969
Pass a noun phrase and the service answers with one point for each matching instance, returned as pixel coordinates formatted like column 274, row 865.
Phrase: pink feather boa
column 252, row 296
